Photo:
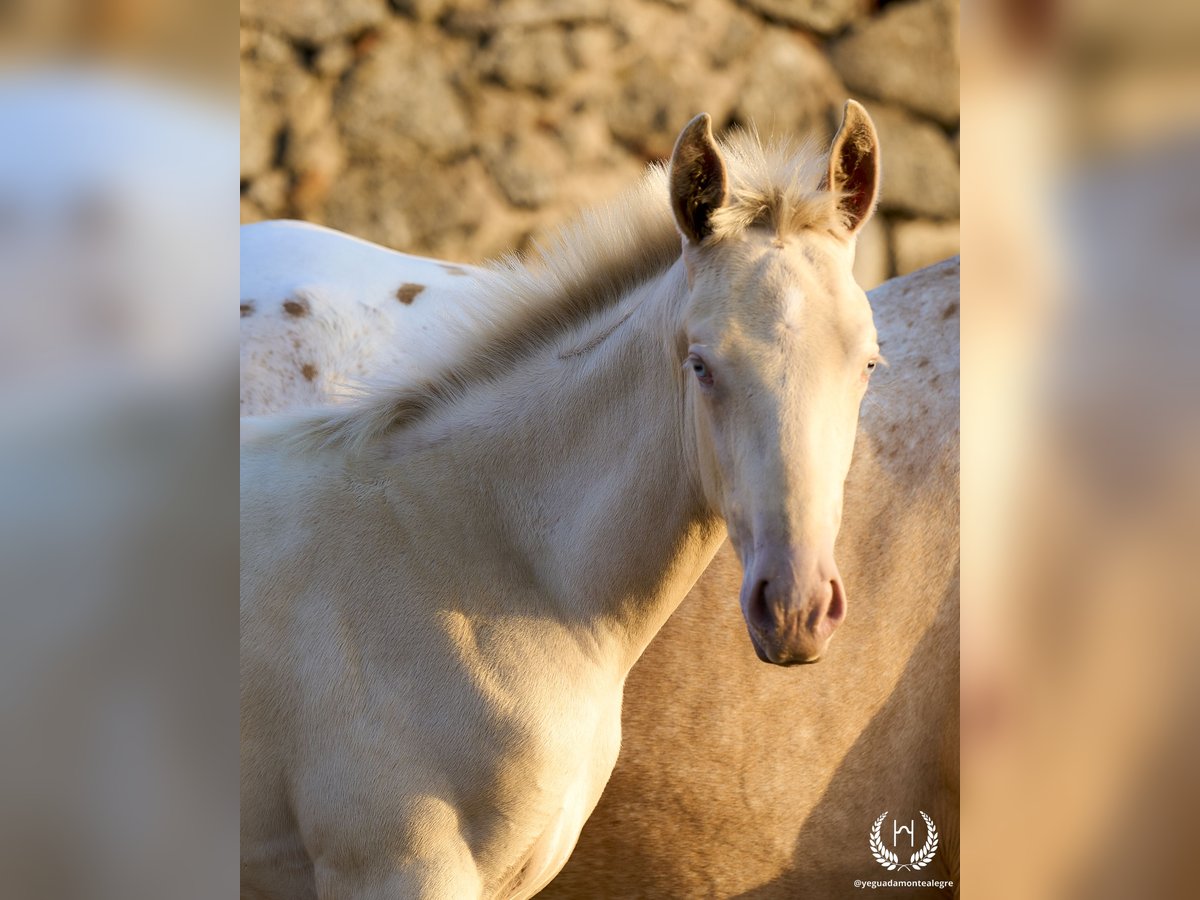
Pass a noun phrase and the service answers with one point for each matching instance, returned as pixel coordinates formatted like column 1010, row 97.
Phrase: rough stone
column 269, row 191
column 737, row 39
column 275, row 101
column 919, row 243
column 247, row 40
column 408, row 209
column 421, row 10
column 402, row 95
column 272, row 50
column 317, row 161
column 315, row 21
column 908, row 55
column 656, row 98
column 261, row 120
column 334, row 59
column 537, row 60
column 920, row 170
column 249, row 212
column 586, row 136
column 466, row 128
column 529, row 13
column 821, row 16
column 309, row 109
column 812, row 100
column 592, row 46
column 368, row 204
column 478, row 17
column 526, row 167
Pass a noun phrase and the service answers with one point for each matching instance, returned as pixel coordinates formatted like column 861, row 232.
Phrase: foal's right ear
column 854, row 166
column 697, row 179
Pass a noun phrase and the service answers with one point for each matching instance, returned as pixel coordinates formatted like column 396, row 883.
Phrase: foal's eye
column 871, row 364
column 700, row 369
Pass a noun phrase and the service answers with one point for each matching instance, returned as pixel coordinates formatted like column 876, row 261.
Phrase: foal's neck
column 591, row 477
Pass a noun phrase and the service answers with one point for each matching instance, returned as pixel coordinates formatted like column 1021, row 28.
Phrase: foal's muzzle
column 790, row 619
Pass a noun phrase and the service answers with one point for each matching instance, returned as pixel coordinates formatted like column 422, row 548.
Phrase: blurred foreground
column 1081, row 422
column 1081, row 481
column 118, row 502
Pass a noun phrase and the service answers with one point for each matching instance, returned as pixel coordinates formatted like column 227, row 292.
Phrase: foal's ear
column 854, row 166
column 697, row 179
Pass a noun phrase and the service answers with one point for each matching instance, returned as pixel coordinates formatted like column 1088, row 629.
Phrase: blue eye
column 700, row 369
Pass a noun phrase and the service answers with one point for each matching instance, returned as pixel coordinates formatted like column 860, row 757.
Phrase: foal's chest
column 580, row 778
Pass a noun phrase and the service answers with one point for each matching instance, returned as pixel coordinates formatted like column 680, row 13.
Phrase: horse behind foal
column 444, row 587
column 356, row 312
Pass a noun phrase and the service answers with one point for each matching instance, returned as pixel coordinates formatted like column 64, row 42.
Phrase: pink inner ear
column 858, row 172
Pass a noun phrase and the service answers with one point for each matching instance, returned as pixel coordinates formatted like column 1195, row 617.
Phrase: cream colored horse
column 876, row 724
column 445, row 587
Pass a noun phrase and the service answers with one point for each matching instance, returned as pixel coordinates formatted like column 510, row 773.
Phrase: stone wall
column 462, row 129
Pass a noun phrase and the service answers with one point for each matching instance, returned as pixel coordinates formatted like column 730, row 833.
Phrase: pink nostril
column 837, row 603
column 757, row 612
column 828, row 607
column 821, row 600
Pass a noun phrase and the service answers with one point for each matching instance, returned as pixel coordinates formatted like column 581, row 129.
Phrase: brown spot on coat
column 950, row 310
column 453, row 270
column 247, row 308
column 296, row 306
column 406, row 293
column 309, row 371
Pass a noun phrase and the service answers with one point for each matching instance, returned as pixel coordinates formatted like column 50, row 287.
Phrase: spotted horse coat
column 322, row 311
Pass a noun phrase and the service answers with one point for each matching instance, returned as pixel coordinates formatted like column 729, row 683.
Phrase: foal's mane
column 587, row 267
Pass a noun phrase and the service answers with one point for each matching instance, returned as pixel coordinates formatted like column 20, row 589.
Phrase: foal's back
column 737, row 779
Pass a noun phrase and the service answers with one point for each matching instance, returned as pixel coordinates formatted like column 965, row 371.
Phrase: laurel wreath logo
column 882, row 854
column 888, row 858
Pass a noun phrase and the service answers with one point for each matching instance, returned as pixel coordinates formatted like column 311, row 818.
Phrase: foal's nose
column 791, row 622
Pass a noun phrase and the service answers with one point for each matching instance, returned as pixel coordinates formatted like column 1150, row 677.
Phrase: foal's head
column 777, row 344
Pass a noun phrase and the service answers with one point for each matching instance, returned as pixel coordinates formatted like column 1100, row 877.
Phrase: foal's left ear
column 697, row 179
column 854, row 166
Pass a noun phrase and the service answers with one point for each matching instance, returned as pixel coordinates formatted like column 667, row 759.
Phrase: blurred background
column 461, row 129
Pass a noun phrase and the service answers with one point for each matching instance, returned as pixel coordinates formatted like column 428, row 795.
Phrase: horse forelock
column 586, row 268
column 778, row 184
